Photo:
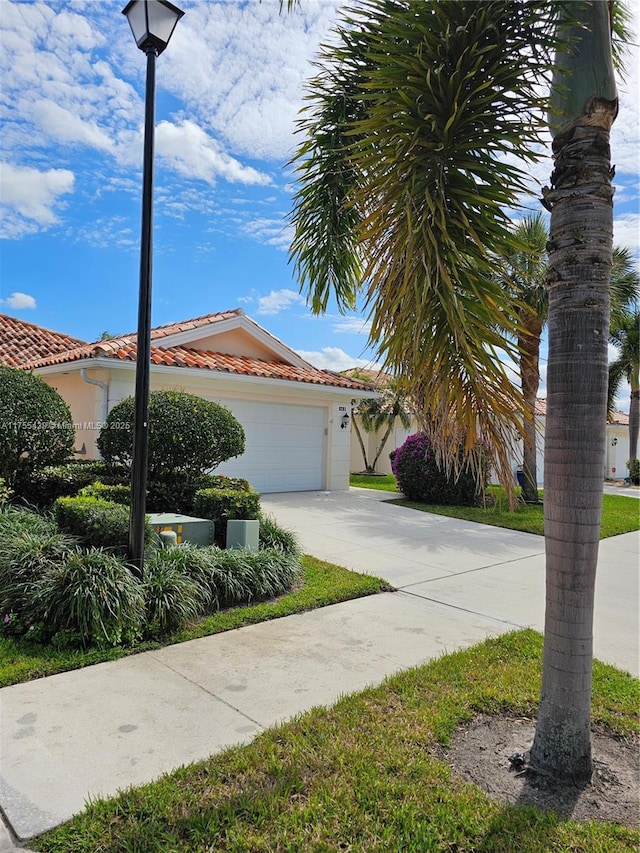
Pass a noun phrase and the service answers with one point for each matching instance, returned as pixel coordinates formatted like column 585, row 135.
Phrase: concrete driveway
column 486, row 571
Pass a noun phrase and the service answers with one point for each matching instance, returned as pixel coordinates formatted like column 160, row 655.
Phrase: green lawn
column 620, row 514
column 386, row 482
column 365, row 776
column 322, row 583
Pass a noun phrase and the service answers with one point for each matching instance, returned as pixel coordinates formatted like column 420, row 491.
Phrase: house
column 617, row 443
column 372, row 440
column 295, row 416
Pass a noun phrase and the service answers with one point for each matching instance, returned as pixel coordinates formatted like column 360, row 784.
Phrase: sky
column 229, row 88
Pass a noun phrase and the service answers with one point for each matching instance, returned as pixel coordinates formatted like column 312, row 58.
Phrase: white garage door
column 285, row 446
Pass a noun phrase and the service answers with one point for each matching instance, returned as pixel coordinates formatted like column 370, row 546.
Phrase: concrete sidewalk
column 91, row 732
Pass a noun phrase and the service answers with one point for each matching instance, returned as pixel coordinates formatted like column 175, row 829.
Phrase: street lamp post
column 152, row 23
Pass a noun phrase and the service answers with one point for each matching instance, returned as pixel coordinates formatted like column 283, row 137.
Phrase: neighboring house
column 617, row 438
column 371, row 440
column 293, row 414
column 617, row 432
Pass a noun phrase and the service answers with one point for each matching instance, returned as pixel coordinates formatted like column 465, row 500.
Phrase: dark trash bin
column 520, row 477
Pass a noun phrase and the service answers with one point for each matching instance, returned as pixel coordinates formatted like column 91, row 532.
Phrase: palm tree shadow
column 534, row 820
column 549, row 795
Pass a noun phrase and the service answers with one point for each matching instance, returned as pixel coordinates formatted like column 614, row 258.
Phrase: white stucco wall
column 86, row 403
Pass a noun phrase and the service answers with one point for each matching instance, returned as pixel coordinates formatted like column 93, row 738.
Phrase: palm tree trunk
column 360, row 441
column 529, row 349
column 579, row 274
column 382, row 443
column 634, row 419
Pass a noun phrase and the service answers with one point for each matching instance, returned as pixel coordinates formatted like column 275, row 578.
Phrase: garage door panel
column 285, row 446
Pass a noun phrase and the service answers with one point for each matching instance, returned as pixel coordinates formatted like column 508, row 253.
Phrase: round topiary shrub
column 420, row 478
column 36, row 427
column 187, row 436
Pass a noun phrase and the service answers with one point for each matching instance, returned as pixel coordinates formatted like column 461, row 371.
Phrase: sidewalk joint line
column 464, row 609
column 470, row 571
column 204, row 690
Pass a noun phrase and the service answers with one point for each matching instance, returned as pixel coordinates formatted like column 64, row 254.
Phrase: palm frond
column 406, row 173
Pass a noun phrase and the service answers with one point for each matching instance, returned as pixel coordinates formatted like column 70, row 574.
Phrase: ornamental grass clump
column 26, row 557
column 245, row 576
column 277, row 538
column 171, row 596
column 93, row 596
column 422, row 479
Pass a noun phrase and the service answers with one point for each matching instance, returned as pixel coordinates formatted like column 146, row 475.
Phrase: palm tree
column 584, row 104
column 400, row 202
column 381, row 413
column 405, row 175
column 524, row 274
column 625, row 336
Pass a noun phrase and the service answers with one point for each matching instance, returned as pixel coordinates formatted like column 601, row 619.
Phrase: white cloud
column 240, row 68
column 107, row 233
column 333, row 358
column 626, row 231
column 63, row 125
column 28, row 197
column 192, row 152
column 19, row 301
column 271, row 232
column 352, row 325
column 279, row 300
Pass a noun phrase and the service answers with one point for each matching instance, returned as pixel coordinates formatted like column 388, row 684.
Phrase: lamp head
column 152, row 23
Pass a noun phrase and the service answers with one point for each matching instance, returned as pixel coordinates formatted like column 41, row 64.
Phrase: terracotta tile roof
column 62, row 349
column 124, row 349
column 195, row 323
column 619, row 418
column 372, row 376
column 22, row 342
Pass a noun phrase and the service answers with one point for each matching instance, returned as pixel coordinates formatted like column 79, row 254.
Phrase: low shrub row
column 53, row 590
column 221, row 505
column 44, row 486
column 94, row 479
column 96, row 522
column 99, row 515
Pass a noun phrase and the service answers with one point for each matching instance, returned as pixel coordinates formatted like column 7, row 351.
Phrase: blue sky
column 229, row 87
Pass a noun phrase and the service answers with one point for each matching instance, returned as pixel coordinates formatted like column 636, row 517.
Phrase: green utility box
column 243, row 534
column 187, row 529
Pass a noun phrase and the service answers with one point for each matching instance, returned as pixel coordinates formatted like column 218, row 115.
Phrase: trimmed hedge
column 177, row 493
column 188, row 435
column 221, row 505
column 117, row 494
column 98, row 523
column 45, row 486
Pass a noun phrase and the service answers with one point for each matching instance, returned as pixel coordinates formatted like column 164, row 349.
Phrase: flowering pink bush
column 420, row 479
